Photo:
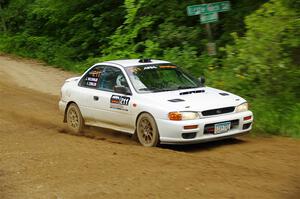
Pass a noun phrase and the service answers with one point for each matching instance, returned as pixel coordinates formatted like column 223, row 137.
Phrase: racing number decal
column 119, row 102
column 117, row 99
column 125, row 101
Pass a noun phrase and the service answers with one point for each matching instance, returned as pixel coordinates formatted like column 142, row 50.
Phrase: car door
column 87, row 94
column 116, row 106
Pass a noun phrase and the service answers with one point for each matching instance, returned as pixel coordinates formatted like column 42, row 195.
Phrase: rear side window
column 92, row 78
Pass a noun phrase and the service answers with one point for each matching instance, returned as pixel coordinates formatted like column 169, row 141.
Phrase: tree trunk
column 4, row 28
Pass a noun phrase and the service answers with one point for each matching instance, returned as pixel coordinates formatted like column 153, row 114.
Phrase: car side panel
column 116, row 109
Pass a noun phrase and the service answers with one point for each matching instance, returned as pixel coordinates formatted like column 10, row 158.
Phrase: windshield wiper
column 144, row 89
column 157, row 89
column 163, row 89
column 186, row 87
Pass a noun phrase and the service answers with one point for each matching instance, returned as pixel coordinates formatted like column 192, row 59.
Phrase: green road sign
column 196, row 9
column 208, row 18
column 208, row 8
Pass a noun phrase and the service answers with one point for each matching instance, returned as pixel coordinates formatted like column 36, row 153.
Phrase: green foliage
column 60, row 32
column 265, row 69
column 122, row 43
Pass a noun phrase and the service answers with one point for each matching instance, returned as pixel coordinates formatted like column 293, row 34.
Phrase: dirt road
column 38, row 159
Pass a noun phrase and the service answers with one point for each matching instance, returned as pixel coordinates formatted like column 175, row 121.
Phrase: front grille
column 218, row 111
column 210, row 128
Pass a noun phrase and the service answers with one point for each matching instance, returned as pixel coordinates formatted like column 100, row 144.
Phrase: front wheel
column 74, row 119
column 147, row 131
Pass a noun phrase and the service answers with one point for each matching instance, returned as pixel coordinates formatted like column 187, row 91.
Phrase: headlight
column 242, row 107
column 183, row 116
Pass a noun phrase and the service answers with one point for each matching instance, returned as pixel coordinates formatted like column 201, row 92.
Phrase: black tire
column 75, row 121
column 147, row 131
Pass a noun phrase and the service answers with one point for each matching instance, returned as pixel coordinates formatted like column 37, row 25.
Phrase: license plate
column 222, row 127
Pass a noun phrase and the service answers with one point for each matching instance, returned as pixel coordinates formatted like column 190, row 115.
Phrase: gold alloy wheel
column 74, row 119
column 147, row 131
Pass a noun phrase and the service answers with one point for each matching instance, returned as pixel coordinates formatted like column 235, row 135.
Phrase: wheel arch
column 137, row 117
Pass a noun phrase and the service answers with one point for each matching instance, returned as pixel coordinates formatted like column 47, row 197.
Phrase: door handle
column 96, row 98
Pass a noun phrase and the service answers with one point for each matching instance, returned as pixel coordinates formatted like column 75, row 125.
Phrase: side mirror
column 122, row 90
column 202, row 80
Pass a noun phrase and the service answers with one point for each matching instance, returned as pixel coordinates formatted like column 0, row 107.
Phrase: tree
column 3, row 22
column 264, row 65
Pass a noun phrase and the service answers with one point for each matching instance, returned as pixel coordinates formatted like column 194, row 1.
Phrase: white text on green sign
column 208, row 18
column 208, row 8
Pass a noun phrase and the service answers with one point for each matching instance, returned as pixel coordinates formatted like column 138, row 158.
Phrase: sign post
column 209, row 14
column 211, row 49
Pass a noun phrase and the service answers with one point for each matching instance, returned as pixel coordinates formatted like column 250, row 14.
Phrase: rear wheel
column 74, row 119
column 147, row 131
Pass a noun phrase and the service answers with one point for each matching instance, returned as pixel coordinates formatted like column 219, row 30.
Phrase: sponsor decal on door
column 119, row 102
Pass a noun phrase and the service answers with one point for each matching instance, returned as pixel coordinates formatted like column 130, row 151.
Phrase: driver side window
column 111, row 78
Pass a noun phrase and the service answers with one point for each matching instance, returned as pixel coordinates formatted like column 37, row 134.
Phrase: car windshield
column 160, row 77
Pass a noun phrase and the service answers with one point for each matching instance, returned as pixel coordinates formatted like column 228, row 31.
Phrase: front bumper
column 172, row 132
column 62, row 106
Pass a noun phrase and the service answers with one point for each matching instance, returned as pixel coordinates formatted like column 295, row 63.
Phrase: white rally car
column 155, row 100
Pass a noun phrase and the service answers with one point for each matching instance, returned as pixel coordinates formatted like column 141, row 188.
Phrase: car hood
column 199, row 99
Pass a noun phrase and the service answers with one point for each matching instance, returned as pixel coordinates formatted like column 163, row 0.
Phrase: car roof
column 134, row 62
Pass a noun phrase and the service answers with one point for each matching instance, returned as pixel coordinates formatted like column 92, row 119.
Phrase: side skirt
column 110, row 126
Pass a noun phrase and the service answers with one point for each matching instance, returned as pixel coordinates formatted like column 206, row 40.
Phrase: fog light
column 189, row 135
column 246, row 126
column 190, row 127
